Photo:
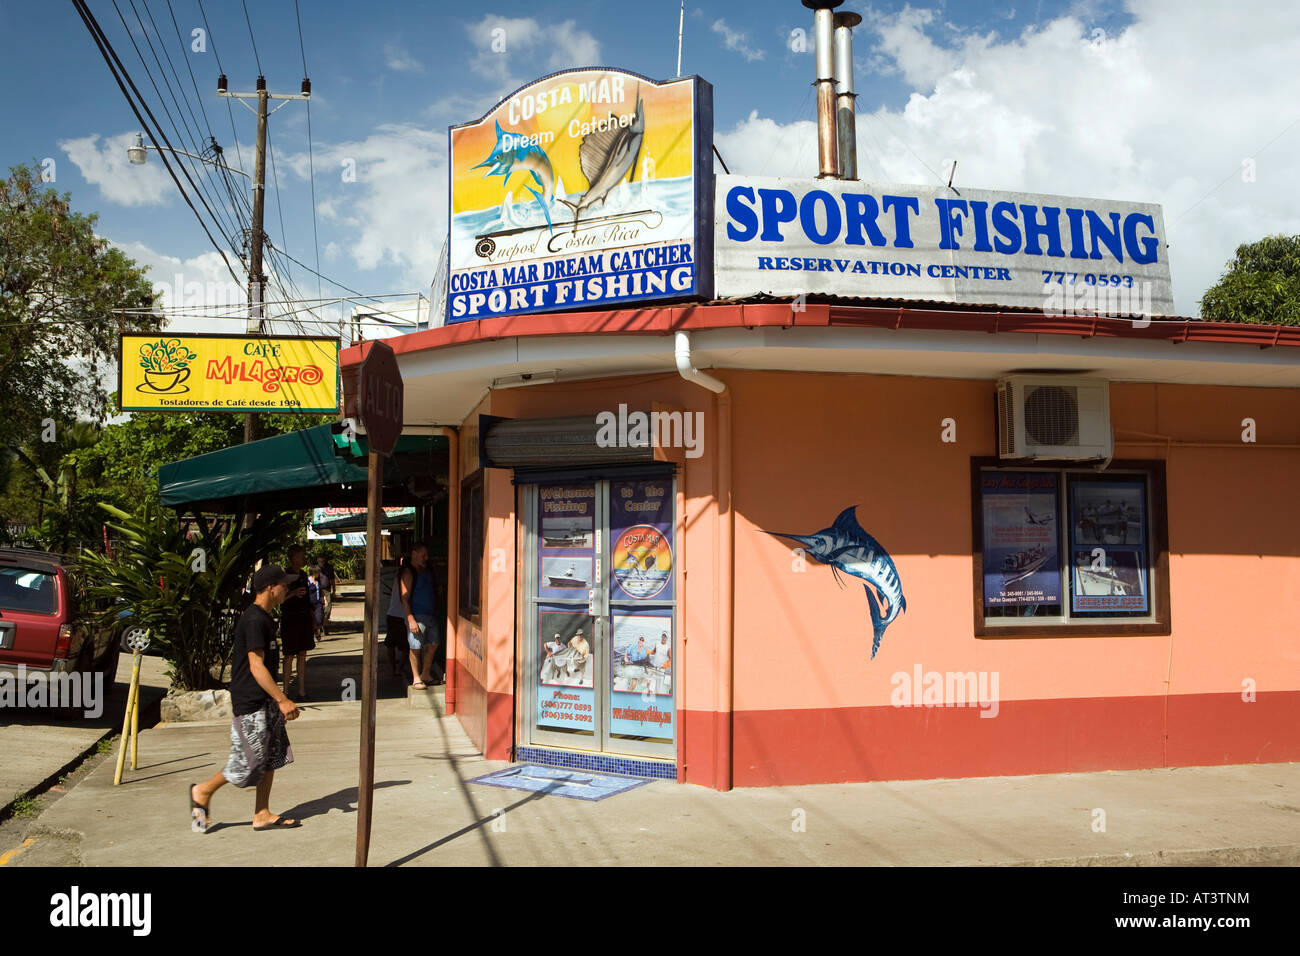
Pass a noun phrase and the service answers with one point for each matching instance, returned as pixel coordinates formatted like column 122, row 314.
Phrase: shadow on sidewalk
column 345, row 800
column 476, row 825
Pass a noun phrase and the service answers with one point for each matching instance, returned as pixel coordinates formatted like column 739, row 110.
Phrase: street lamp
column 137, row 155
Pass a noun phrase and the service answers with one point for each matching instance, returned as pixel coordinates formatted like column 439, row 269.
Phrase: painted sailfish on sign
column 847, row 548
column 517, row 151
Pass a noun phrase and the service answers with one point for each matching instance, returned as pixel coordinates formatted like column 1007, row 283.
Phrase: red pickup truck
column 45, row 623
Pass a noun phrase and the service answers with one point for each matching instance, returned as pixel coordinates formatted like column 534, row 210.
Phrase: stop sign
column 381, row 398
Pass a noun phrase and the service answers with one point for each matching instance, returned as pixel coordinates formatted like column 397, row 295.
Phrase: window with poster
column 1069, row 550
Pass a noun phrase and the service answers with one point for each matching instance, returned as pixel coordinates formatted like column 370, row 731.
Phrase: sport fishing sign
column 587, row 187
column 163, row 372
column 791, row 237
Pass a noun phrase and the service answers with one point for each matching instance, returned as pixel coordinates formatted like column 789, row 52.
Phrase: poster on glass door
column 566, row 677
column 641, row 658
column 566, row 558
column 641, row 530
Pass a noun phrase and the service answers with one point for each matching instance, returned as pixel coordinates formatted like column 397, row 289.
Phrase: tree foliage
column 184, row 587
column 59, row 287
column 1261, row 284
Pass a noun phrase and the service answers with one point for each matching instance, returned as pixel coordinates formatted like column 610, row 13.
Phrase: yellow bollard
column 131, row 719
column 126, row 725
column 135, row 709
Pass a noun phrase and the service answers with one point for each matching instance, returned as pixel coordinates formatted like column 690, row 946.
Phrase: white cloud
column 735, row 40
column 108, row 168
column 401, row 61
column 189, row 288
column 1163, row 111
column 396, row 209
column 513, row 48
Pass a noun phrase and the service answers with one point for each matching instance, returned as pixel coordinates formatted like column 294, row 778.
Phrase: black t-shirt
column 255, row 631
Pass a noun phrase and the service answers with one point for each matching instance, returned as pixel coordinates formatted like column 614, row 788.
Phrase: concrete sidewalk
column 427, row 814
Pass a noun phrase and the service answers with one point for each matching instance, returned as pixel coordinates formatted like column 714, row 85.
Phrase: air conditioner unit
column 1054, row 417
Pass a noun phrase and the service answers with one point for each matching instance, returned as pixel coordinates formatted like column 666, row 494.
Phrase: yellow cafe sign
column 228, row 373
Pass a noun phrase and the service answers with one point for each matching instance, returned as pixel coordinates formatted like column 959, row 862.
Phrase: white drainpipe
column 682, row 350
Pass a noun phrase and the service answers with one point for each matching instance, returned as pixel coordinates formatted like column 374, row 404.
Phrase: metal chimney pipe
column 827, row 136
column 846, row 124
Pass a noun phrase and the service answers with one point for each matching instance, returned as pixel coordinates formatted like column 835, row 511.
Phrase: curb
column 1287, row 854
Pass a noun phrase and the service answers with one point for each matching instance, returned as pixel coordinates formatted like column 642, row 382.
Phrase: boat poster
column 1108, row 536
column 641, row 669
column 640, row 529
column 1022, row 561
column 566, row 558
column 586, row 187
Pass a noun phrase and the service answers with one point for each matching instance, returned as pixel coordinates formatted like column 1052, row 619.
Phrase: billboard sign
column 588, row 187
column 791, row 237
column 164, row 372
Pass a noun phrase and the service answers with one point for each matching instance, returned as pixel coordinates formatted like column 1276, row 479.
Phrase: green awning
column 301, row 470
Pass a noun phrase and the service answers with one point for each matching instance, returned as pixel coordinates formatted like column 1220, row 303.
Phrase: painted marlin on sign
column 846, row 547
column 509, row 155
column 606, row 157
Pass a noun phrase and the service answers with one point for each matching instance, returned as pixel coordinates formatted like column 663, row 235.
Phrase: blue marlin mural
column 508, row 155
column 846, row 547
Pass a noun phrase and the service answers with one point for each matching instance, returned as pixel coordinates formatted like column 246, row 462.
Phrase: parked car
column 47, row 624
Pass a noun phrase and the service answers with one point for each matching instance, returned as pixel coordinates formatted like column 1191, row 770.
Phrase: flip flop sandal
column 279, row 824
column 419, row 685
column 198, row 813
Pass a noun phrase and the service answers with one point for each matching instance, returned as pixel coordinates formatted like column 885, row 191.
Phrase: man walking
column 259, row 744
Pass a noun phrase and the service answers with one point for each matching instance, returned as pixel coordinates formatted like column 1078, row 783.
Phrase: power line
column 311, row 162
column 110, row 57
column 194, row 134
column 220, row 69
column 257, row 58
column 204, row 196
column 333, row 282
column 193, row 82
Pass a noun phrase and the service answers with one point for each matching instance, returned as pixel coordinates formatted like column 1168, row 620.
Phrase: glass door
column 640, row 614
column 600, row 626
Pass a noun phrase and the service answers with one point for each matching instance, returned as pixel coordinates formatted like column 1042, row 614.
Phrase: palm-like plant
column 184, row 588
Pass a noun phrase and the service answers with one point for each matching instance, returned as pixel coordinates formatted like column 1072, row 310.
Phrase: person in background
column 395, row 633
column 297, row 622
column 315, row 591
column 259, row 743
column 414, row 592
column 325, row 572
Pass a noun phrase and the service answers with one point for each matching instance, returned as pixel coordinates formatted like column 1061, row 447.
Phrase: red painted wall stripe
column 843, row 745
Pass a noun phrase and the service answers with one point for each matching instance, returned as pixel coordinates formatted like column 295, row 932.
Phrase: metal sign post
column 380, row 405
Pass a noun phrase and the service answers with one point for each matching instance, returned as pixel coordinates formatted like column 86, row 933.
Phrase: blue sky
column 1151, row 100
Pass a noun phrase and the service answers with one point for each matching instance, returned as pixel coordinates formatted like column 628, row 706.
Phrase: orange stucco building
column 569, row 560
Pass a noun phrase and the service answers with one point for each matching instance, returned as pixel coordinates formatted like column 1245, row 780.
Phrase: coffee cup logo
column 166, row 365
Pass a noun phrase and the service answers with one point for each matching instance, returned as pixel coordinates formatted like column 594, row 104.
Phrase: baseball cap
column 267, row 576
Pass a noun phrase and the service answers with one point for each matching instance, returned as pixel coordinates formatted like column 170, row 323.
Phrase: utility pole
column 256, row 277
